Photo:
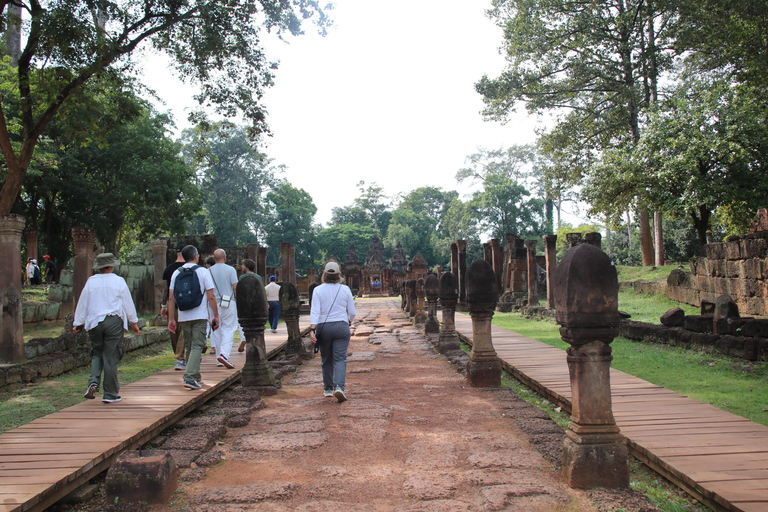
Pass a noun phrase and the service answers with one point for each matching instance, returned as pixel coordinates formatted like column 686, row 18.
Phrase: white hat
column 332, row 268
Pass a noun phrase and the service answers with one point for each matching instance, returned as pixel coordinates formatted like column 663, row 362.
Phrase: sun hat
column 47, row 257
column 332, row 268
column 272, row 278
column 105, row 260
column 34, row 261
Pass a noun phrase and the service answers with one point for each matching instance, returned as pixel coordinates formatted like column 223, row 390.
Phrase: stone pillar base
column 448, row 342
column 586, row 466
column 135, row 479
column 260, row 374
column 265, row 390
column 420, row 317
column 484, row 374
column 431, row 326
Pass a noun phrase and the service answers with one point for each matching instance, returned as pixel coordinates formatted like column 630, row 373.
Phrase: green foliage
column 502, row 208
column 334, row 242
column 290, row 219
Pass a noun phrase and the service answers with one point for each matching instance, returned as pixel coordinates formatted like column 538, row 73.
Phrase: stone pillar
column 292, row 264
column 311, row 275
column 587, row 288
column 497, row 261
column 159, row 250
column 252, row 253
column 11, row 321
column 285, row 261
column 30, row 239
column 310, row 291
column 261, row 263
column 484, row 366
column 412, row 298
column 533, row 274
column 461, row 246
column 290, row 306
column 573, row 239
column 421, row 310
column 509, row 261
column 449, row 339
column 455, row 259
column 404, row 295
column 550, row 248
column 594, row 238
column 252, row 312
column 432, row 290
column 84, row 238
column 488, row 253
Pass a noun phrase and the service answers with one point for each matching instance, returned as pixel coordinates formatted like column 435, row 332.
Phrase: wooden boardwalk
column 718, row 457
column 45, row 460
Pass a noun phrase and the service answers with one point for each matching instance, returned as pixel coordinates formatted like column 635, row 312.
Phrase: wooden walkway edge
column 718, row 457
column 43, row 461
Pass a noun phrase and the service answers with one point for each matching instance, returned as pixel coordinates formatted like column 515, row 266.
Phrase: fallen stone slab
column 430, row 485
column 251, row 493
column 281, row 442
column 200, row 438
column 498, row 497
column 137, row 478
column 296, row 427
column 501, row 459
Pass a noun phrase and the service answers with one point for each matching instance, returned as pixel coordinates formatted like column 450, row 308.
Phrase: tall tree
column 68, row 42
column 290, row 217
column 334, row 241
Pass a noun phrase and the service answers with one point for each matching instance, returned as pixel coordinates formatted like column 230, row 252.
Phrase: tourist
column 177, row 341
column 193, row 321
column 36, row 278
column 209, row 262
column 273, row 302
column 104, row 309
column 224, row 286
column 30, row 272
column 50, row 269
column 331, row 315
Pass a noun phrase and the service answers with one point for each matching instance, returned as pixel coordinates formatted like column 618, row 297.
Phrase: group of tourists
column 33, row 275
column 201, row 300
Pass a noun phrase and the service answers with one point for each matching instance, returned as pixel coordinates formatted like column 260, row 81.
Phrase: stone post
column 421, row 310
column 449, row 339
column 509, row 261
column 159, row 250
column 550, row 244
column 488, row 253
column 285, row 261
column 412, row 298
column 30, row 239
column 455, row 259
column 533, row 274
column 261, row 263
column 461, row 246
column 84, row 238
column 497, row 261
column 292, row 264
column 573, row 239
column 404, row 294
column 587, row 287
column 432, row 289
column 11, row 321
column 484, row 367
column 594, row 238
column 290, row 306
column 252, row 312
column 252, row 253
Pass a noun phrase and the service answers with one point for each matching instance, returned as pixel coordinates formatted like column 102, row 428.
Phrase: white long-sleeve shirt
column 332, row 302
column 104, row 295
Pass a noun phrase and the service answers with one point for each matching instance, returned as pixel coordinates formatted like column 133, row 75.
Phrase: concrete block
column 135, row 479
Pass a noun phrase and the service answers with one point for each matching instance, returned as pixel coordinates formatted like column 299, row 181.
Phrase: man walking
column 104, row 309
column 193, row 321
column 273, row 300
column 177, row 341
column 224, row 285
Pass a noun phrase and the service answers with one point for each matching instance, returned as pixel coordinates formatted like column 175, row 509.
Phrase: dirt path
column 412, row 437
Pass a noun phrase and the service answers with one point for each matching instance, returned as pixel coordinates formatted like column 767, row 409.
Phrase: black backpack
column 186, row 289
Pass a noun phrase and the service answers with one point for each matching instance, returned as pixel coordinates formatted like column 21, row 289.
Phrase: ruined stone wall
column 737, row 267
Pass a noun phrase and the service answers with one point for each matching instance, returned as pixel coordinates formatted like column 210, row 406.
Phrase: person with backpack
column 192, row 292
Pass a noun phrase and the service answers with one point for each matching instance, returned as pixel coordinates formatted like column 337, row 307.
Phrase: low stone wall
column 49, row 357
column 650, row 287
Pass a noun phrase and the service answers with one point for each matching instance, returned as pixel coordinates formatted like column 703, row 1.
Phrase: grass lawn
column 628, row 274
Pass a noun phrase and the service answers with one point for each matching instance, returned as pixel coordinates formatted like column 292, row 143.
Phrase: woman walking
column 331, row 315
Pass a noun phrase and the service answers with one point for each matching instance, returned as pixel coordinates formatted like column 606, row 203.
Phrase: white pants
column 223, row 337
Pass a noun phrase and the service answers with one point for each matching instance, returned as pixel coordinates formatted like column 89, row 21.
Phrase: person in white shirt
column 193, row 322
column 273, row 302
column 331, row 315
column 224, row 286
column 104, row 309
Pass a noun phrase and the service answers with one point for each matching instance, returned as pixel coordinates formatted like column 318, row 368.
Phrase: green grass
column 648, row 308
column 18, row 407
column 628, row 274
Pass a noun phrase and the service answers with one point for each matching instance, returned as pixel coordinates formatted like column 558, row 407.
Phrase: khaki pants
column 177, row 339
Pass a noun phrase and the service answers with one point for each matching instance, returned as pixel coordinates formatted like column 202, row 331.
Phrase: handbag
column 225, row 299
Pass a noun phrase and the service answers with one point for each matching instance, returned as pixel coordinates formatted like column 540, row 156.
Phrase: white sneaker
column 339, row 394
column 328, row 392
column 224, row 361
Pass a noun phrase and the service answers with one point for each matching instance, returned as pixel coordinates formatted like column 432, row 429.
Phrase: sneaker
column 90, row 393
column 339, row 394
column 220, row 364
column 327, row 392
column 180, row 365
column 111, row 400
column 225, row 361
column 274, row 330
column 192, row 384
column 200, row 381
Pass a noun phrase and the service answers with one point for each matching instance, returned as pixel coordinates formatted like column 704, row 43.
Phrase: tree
column 502, row 208
column 234, row 177
column 69, row 42
column 290, row 216
column 334, row 241
column 414, row 231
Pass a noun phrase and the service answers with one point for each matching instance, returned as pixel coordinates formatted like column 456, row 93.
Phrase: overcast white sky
column 387, row 96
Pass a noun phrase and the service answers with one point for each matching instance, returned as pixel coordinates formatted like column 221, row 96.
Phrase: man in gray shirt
column 225, row 284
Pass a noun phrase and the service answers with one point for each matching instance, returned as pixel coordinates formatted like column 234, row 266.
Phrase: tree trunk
column 658, row 238
column 646, row 240
column 701, row 223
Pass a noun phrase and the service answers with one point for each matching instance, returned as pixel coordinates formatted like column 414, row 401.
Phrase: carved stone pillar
column 252, row 253
column 432, row 290
column 484, row 367
column 30, row 239
column 412, row 298
column 488, row 253
column 421, row 310
column 573, row 239
column 252, row 312
column 290, row 307
column 455, row 259
column 449, row 339
column 587, row 287
column 461, row 246
column 404, row 295
column 533, row 274
column 594, row 238
column 497, row 261
column 550, row 243
column 261, row 263
column 84, row 238
column 285, row 265
column 509, row 261
column 159, row 250
column 11, row 320
column 292, row 264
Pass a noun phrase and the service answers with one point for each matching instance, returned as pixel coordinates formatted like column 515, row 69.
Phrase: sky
column 386, row 97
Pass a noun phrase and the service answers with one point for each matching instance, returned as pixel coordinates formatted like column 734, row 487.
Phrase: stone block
column 731, row 326
column 755, row 328
column 12, row 373
column 754, row 247
column 704, row 340
column 705, row 283
column 733, row 250
column 754, row 306
column 698, row 323
column 135, row 479
column 675, row 317
column 762, row 349
column 714, row 251
column 707, row 308
column 750, row 288
column 754, row 269
column 678, row 278
column 733, row 268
